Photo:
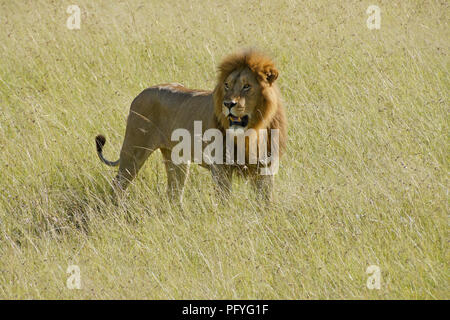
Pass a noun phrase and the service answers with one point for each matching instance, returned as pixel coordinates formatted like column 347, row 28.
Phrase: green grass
column 365, row 180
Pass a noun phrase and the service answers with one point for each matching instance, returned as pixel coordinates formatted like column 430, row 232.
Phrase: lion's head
column 246, row 95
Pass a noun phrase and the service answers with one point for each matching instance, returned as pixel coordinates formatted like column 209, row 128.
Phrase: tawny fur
column 159, row 110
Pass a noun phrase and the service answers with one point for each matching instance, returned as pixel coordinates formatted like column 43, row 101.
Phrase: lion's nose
column 229, row 104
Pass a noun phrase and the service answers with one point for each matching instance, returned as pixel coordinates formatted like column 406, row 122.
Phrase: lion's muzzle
column 238, row 121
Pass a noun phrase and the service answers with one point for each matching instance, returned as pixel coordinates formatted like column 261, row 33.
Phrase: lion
column 245, row 97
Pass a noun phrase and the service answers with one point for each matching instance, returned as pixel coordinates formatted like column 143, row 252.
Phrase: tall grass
column 364, row 181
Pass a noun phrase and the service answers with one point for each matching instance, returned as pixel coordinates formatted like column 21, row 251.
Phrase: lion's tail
column 100, row 142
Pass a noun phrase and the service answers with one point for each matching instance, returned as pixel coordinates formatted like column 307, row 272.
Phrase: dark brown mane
column 271, row 113
column 259, row 64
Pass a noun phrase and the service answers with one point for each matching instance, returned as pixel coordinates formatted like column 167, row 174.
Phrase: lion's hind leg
column 131, row 161
column 176, row 177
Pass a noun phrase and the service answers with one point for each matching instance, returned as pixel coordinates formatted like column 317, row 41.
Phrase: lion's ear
column 271, row 75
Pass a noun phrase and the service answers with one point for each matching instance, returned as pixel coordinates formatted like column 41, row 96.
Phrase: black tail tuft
column 100, row 141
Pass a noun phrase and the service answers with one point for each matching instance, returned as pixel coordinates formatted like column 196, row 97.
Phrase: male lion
column 245, row 97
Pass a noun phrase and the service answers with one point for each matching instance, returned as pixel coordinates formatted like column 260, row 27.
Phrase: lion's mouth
column 238, row 121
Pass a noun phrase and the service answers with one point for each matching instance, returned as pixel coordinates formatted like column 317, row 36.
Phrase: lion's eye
column 246, row 86
column 226, row 86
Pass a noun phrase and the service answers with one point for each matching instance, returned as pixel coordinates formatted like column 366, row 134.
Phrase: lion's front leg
column 222, row 177
column 263, row 185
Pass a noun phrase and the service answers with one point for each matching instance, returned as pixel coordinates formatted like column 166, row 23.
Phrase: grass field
column 364, row 182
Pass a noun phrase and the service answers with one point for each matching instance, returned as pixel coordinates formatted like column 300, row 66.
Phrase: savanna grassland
column 364, row 181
